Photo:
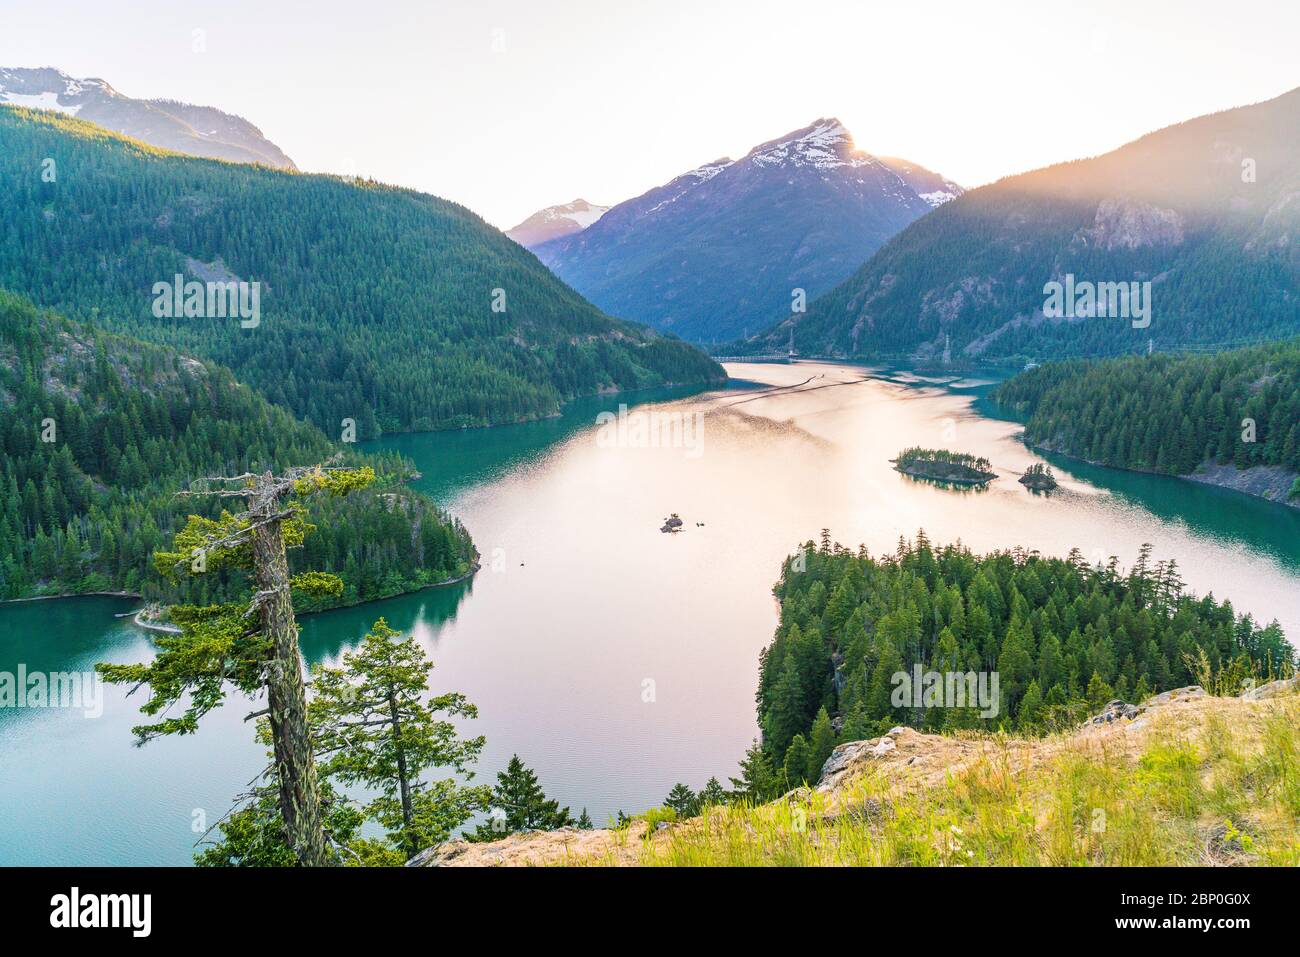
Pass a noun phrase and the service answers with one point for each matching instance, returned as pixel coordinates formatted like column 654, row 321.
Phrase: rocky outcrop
column 1270, row 482
column 532, row 848
column 1132, row 224
column 1116, row 710
column 905, row 761
column 847, row 756
column 1273, row 689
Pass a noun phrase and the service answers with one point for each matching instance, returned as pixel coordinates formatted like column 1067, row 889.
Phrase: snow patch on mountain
column 171, row 125
column 38, row 101
column 938, row 197
column 826, row 145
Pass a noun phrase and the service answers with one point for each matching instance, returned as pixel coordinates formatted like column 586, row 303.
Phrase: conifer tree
column 683, row 801
column 758, row 779
column 252, row 647
column 1031, row 706
column 796, row 762
column 820, row 744
column 786, row 715
column 712, row 793
column 518, row 803
column 372, row 726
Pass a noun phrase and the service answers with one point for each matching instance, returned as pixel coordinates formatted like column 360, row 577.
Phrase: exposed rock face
column 847, row 756
column 1271, row 482
column 1178, row 694
column 1129, row 224
column 1273, row 689
column 530, row 848
column 1116, row 710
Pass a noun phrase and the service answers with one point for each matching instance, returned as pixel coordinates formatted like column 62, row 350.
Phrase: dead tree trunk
column 300, row 804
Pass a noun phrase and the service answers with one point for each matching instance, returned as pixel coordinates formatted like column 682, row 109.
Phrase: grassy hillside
column 1197, row 780
column 1209, row 781
column 1206, row 211
column 97, row 433
column 377, row 303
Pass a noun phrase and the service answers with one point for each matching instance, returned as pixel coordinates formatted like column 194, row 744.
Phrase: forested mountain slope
column 1207, row 211
column 97, row 433
column 383, row 305
column 1171, row 414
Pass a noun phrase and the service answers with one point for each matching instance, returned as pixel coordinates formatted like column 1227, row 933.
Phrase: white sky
column 507, row 106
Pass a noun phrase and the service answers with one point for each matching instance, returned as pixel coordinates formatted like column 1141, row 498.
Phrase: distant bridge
column 771, row 357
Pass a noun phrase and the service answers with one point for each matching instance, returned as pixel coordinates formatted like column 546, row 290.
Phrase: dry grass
column 1202, row 781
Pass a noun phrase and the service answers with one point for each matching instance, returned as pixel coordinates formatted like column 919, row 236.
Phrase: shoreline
column 474, row 569
column 1213, row 479
column 703, row 385
column 951, row 480
column 73, row 594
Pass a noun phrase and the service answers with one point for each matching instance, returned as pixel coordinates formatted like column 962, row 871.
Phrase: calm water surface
column 584, row 607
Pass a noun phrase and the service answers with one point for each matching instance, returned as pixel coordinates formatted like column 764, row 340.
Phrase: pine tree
column 683, row 801
column 786, row 715
column 796, row 762
column 712, row 793
column 820, row 744
column 584, row 821
column 1099, row 693
column 757, row 781
column 1031, row 706
column 371, row 726
column 518, row 803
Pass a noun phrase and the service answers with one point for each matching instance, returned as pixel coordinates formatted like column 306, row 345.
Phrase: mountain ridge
column 718, row 247
column 187, row 128
column 1204, row 210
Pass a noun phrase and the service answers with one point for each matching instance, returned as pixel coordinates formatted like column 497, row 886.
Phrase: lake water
column 614, row 659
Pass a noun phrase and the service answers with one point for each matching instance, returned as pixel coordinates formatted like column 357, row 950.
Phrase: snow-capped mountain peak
column 718, row 249
column 182, row 127
column 556, row 221
column 826, row 144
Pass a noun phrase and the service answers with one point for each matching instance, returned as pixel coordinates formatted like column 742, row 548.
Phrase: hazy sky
column 510, row 105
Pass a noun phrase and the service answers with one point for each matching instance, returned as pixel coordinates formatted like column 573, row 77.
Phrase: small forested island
column 941, row 465
column 1039, row 478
